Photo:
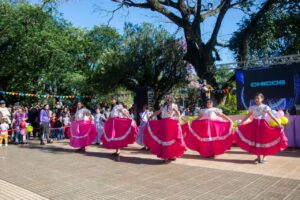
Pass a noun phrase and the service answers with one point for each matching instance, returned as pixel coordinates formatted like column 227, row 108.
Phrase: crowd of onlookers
column 20, row 123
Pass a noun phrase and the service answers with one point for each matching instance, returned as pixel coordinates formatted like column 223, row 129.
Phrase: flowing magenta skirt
column 118, row 133
column 82, row 133
column 164, row 138
column 208, row 137
column 258, row 138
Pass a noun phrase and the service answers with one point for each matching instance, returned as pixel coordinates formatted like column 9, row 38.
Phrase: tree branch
column 197, row 15
column 213, row 39
column 249, row 29
column 155, row 6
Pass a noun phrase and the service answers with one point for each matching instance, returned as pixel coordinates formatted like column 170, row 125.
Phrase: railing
column 261, row 62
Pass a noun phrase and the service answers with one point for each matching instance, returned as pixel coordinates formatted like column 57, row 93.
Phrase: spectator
column 4, row 112
column 67, row 123
column 4, row 132
column 52, row 125
column 33, row 118
column 59, row 128
column 44, row 122
column 19, row 117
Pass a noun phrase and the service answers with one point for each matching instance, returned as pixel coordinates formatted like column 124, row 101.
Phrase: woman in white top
column 119, row 130
column 257, row 137
column 211, row 133
column 164, row 137
column 83, row 130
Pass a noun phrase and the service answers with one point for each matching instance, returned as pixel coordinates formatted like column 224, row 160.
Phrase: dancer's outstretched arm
column 155, row 114
column 225, row 117
column 247, row 117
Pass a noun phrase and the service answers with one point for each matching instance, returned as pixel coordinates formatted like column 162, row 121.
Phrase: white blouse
column 116, row 111
column 99, row 120
column 81, row 114
column 211, row 113
column 168, row 111
column 145, row 116
column 259, row 112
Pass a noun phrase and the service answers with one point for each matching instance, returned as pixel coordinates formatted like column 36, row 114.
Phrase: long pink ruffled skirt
column 258, row 138
column 164, row 138
column 118, row 133
column 208, row 137
column 82, row 133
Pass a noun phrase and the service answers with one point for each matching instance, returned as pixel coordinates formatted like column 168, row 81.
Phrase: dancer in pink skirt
column 83, row 130
column 164, row 137
column 257, row 137
column 211, row 133
column 119, row 130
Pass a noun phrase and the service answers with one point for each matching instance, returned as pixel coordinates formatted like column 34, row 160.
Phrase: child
column 52, row 124
column 4, row 132
column 59, row 127
column 144, row 118
column 67, row 123
column 23, row 130
column 99, row 122
column 211, row 133
column 257, row 137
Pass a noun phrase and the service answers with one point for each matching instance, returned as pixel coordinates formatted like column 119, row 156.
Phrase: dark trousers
column 44, row 131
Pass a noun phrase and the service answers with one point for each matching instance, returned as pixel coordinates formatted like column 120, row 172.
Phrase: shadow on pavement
column 198, row 157
column 126, row 159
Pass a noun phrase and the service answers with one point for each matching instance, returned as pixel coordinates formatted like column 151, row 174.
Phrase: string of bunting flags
column 23, row 94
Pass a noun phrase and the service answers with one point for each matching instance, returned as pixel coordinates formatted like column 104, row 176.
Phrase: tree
column 39, row 51
column 147, row 57
column 189, row 14
column 275, row 34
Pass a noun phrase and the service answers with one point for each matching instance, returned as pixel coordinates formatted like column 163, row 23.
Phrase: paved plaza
column 57, row 171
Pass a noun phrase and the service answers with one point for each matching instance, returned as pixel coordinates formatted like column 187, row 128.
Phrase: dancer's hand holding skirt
column 164, row 138
column 82, row 133
column 118, row 133
column 208, row 137
column 258, row 138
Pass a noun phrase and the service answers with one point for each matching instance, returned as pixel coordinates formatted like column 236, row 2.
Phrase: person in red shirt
column 52, row 125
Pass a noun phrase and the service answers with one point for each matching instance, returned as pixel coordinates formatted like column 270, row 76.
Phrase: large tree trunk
column 201, row 58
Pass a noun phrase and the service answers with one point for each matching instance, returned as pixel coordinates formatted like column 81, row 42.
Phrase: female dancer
column 164, row 137
column 208, row 134
column 99, row 122
column 144, row 118
column 257, row 137
column 119, row 130
column 83, row 130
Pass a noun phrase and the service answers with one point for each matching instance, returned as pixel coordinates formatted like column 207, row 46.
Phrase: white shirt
column 211, row 113
column 116, row 111
column 5, row 113
column 66, row 121
column 145, row 116
column 4, row 128
column 168, row 111
column 99, row 120
column 81, row 114
column 259, row 112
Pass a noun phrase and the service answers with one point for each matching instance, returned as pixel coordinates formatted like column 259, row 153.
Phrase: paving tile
column 57, row 172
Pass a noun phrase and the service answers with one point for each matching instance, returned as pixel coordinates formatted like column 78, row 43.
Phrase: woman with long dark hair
column 44, row 124
column 83, row 130
column 164, row 137
column 119, row 130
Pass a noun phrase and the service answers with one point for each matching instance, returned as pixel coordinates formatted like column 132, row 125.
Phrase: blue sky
column 88, row 13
